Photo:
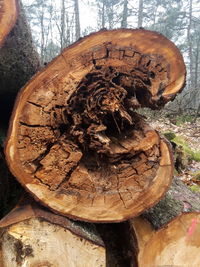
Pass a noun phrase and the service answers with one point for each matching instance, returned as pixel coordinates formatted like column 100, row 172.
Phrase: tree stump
column 168, row 233
column 75, row 141
column 32, row 236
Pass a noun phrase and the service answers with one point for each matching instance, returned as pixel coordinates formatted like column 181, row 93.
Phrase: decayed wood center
column 75, row 141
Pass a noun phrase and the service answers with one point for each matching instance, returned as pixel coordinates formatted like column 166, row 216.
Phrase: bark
column 18, row 60
column 177, row 200
column 75, row 141
column 32, row 236
column 168, row 233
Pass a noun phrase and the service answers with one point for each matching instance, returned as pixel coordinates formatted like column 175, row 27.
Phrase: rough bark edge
column 28, row 209
column 178, row 199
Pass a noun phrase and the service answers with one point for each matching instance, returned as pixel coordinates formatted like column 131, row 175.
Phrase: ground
column 188, row 137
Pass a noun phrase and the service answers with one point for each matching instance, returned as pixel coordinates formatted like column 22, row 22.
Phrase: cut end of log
column 34, row 237
column 8, row 17
column 176, row 244
column 75, row 141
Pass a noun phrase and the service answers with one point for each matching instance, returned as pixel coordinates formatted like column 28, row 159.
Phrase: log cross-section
column 8, row 17
column 175, row 244
column 31, row 236
column 75, row 141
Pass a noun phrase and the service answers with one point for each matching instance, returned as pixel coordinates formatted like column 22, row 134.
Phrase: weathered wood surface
column 19, row 60
column 168, row 233
column 176, row 244
column 31, row 236
column 75, row 141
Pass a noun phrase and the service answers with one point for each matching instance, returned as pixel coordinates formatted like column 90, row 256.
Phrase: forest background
column 57, row 24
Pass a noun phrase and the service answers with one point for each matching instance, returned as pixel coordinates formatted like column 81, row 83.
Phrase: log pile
column 78, row 146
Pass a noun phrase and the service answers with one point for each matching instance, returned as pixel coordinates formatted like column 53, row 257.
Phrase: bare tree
column 140, row 13
column 125, row 14
column 77, row 20
column 62, row 27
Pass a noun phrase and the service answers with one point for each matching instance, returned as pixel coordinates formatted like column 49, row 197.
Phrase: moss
column 169, row 135
column 196, row 175
column 195, row 188
column 193, row 155
column 183, row 119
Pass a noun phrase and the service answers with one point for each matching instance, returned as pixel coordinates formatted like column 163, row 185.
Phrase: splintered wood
column 8, row 16
column 75, row 141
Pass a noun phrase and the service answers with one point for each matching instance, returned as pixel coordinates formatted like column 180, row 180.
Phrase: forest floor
column 187, row 137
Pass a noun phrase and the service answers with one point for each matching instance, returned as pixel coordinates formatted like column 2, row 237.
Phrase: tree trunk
column 18, row 59
column 31, row 236
column 125, row 14
column 77, row 19
column 75, row 141
column 168, row 234
column 62, row 26
column 189, row 39
column 140, row 14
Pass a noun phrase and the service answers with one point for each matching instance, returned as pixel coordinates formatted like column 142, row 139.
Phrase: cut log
column 18, row 57
column 18, row 62
column 75, row 141
column 31, row 236
column 176, row 244
column 8, row 17
column 168, row 234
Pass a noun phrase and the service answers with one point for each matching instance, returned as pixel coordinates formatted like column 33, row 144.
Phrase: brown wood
column 176, row 244
column 168, row 233
column 75, row 141
column 8, row 17
column 31, row 236
column 19, row 60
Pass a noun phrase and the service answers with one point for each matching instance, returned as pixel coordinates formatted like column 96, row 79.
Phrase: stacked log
column 168, row 233
column 75, row 141
column 32, row 236
column 19, row 60
column 77, row 144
